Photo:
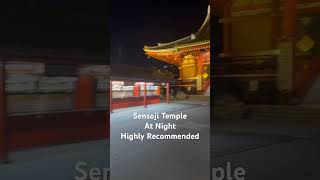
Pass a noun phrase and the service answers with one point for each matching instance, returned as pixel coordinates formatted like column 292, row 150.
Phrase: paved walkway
column 161, row 159
column 56, row 163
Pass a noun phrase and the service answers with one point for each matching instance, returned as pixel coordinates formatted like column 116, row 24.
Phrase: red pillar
column 136, row 91
column 158, row 91
column 168, row 92
column 3, row 116
column 145, row 95
column 110, row 97
column 85, row 93
column 200, row 65
column 289, row 18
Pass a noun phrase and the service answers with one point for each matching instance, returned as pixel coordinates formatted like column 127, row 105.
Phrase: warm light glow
column 142, row 83
column 120, row 83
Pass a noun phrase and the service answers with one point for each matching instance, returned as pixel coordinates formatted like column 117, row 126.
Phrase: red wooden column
column 110, row 97
column 168, row 93
column 289, row 18
column 3, row 116
column 145, row 95
column 136, row 90
column 158, row 91
column 85, row 93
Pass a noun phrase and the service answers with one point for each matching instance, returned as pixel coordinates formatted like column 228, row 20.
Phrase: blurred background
column 266, row 87
column 54, row 76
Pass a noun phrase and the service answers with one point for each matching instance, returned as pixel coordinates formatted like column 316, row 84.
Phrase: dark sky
column 83, row 26
column 62, row 25
column 147, row 22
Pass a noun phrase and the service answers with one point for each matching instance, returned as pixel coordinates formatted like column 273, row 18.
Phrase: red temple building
column 190, row 54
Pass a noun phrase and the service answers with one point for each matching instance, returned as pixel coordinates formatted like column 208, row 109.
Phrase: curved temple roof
column 198, row 40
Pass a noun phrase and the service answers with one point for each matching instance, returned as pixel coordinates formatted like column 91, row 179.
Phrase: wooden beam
column 244, row 75
column 244, row 18
column 273, row 52
column 302, row 7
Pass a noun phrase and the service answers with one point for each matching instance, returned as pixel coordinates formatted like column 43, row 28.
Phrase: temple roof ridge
column 191, row 39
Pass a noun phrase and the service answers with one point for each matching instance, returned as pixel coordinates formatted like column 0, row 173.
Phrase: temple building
column 191, row 54
column 269, row 51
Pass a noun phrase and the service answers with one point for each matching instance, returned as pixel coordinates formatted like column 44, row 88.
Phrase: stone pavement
column 57, row 162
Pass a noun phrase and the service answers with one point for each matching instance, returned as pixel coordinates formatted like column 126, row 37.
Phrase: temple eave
column 179, row 48
column 170, row 59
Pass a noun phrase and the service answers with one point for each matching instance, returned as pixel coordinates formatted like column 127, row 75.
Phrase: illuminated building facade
column 191, row 54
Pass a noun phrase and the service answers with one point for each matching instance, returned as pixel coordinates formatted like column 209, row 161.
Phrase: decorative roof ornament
column 193, row 36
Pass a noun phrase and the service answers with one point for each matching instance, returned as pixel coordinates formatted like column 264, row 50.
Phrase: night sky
column 68, row 26
column 84, row 26
column 146, row 22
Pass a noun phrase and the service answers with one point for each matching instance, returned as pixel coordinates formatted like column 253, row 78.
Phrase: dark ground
column 268, row 150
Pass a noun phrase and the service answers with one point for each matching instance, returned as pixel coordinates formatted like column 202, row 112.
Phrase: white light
column 120, row 83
